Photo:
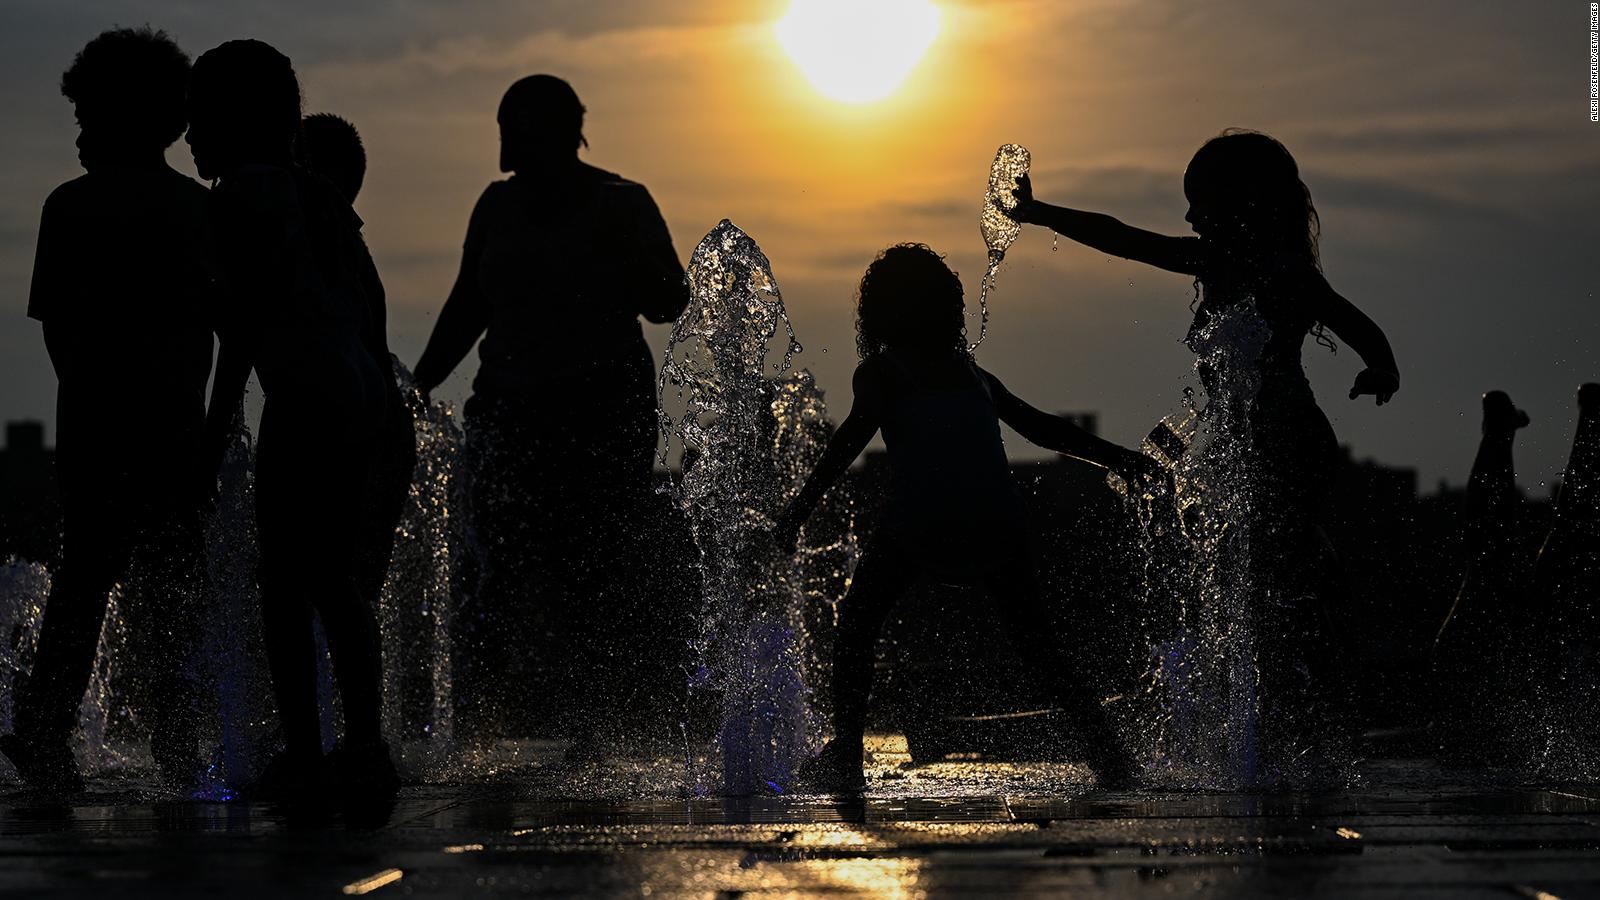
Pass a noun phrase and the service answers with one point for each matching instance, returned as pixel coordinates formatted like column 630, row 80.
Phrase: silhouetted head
column 541, row 124
column 127, row 86
column 244, row 107
column 331, row 147
column 909, row 299
column 1245, row 194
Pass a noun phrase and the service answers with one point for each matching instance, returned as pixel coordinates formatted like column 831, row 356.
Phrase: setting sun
column 858, row 50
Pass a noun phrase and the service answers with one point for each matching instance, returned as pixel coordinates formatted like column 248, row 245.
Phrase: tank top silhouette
column 950, row 481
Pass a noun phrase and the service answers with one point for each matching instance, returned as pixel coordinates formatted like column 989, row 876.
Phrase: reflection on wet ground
column 982, row 829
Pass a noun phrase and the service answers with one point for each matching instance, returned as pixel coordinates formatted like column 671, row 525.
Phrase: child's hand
column 1377, row 382
column 1139, row 470
column 1022, row 197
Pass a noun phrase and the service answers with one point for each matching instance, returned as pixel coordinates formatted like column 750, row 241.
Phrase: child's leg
column 1012, row 585
column 881, row 577
column 166, row 618
column 352, row 629
column 349, row 616
column 291, row 515
column 96, row 546
column 286, row 623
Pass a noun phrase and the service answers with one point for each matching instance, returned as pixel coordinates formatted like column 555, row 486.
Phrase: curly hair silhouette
column 128, row 85
column 909, row 298
column 331, row 147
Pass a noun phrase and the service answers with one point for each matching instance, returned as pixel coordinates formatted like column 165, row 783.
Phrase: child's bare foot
column 835, row 770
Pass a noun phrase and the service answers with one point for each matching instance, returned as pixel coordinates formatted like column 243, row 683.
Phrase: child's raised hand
column 1378, row 382
column 1022, row 196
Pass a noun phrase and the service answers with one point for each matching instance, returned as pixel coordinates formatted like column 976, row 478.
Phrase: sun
column 858, row 51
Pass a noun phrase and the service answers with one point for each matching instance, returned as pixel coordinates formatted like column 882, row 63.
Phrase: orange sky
column 1447, row 146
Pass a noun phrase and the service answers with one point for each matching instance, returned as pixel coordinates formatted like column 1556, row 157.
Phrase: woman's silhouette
column 560, row 261
column 1261, row 291
column 953, row 509
column 292, row 261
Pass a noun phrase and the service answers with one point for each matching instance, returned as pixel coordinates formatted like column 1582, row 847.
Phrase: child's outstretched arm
column 1061, row 435
column 1381, row 377
column 1109, row 235
column 866, row 414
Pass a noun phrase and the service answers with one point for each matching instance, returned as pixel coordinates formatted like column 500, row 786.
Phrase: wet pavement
column 956, row 828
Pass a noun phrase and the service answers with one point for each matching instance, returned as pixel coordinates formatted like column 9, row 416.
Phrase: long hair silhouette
column 1246, row 195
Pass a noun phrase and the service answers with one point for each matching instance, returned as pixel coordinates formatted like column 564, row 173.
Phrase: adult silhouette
column 331, row 147
column 294, row 270
column 1260, row 291
column 560, row 261
column 124, row 296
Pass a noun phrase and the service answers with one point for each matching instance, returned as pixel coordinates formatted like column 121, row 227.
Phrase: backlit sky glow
column 1447, row 146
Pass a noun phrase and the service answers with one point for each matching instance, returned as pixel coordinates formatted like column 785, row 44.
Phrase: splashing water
column 828, row 549
column 104, row 717
column 24, row 586
column 747, row 439
column 108, row 720
column 999, row 229
column 238, row 727
column 416, row 603
column 1207, row 702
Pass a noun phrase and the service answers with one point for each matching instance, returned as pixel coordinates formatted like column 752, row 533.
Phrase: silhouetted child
column 1261, row 291
column 952, row 509
column 121, row 287
column 331, row 147
column 294, row 268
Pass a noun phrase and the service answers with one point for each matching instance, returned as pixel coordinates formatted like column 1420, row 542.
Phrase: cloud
column 1397, row 200
column 1432, row 139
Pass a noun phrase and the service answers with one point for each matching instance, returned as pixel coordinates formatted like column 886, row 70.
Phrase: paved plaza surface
column 953, row 828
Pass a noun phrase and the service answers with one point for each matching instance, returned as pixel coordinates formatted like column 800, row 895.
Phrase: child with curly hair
column 953, row 510
column 122, row 289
